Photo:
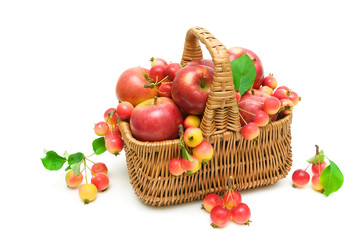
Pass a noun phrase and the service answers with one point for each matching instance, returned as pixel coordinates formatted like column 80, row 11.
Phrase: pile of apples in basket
column 170, row 94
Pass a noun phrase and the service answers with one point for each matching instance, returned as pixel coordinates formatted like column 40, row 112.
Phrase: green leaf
column 76, row 168
column 99, row 145
column 75, row 158
column 318, row 158
column 186, row 155
column 52, row 161
column 331, row 178
column 244, row 73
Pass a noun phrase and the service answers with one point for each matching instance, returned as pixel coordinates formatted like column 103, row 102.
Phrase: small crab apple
column 98, row 168
column 124, row 110
column 232, row 197
column 220, row 216
column 110, row 116
column 272, row 105
column 192, row 121
column 101, row 128
column 258, row 93
column 317, row 168
column 270, row 81
column 204, row 151
column 171, row 70
column 266, row 89
column 283, row 87
column 294, row 97
column 101, row 181
column 158, row 61
column 300, row 178
column 114, row 144
column 73, row 180
column 87, row 192
column 211, row 200
column 113, row 132
column 317, row 186
column 157, row 73
column 261, row 118
column 250, row 131
column 241, row 213
column 165, row 89
column 286, row 106
column 193, row 136
column 175, row 167
column 190, row 167
column 281, row 93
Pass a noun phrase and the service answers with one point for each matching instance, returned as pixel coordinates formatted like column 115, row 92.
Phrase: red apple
column 130, row 86
column 191, row 88
column 171, row 70
column 204, row 62
column 175, row 167
column 236, row 52
column 165, row 89
column 156, row 119
column 248, row 108
column 204, row 151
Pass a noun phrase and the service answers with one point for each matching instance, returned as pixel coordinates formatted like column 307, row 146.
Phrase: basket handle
column 221, row 111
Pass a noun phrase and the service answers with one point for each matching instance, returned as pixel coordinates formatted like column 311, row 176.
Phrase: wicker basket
column 251, row 163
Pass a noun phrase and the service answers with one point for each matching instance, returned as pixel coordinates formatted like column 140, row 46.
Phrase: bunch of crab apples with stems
column 259, row 98
column 325, row 178
column 229, row 206
column 202, row 151
column 88, row 191
column 259, row 107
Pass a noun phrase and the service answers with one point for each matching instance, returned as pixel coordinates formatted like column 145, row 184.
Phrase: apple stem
column 243, row 119
column 202, row 82
column 155, row 100
column 317, row 149
column 247, row 111
column 91, row 170
column 85, row 171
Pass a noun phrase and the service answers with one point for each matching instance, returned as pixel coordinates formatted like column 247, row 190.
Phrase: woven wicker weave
column 251, row 163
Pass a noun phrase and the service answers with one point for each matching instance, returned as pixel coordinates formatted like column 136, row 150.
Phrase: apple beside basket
column 252, row 164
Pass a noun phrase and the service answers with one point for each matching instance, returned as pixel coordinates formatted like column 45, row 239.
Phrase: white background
column 59, row 63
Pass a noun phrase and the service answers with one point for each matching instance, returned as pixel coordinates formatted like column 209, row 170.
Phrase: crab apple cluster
column 301, row 177
column 229, row 206
column 109, row 129
column 161, row 76
column 202, row 151
column 260, row 106
column 88, row 191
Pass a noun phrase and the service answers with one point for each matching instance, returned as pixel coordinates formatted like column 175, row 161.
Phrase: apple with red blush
column 130, row 86
column 192, row 121
column 156, row 119
column 191, row 88
column 204, row 62
column 204, row 151
column 171, row 70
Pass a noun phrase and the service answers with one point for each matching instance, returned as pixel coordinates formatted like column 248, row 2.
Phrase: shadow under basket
column 252, row 164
